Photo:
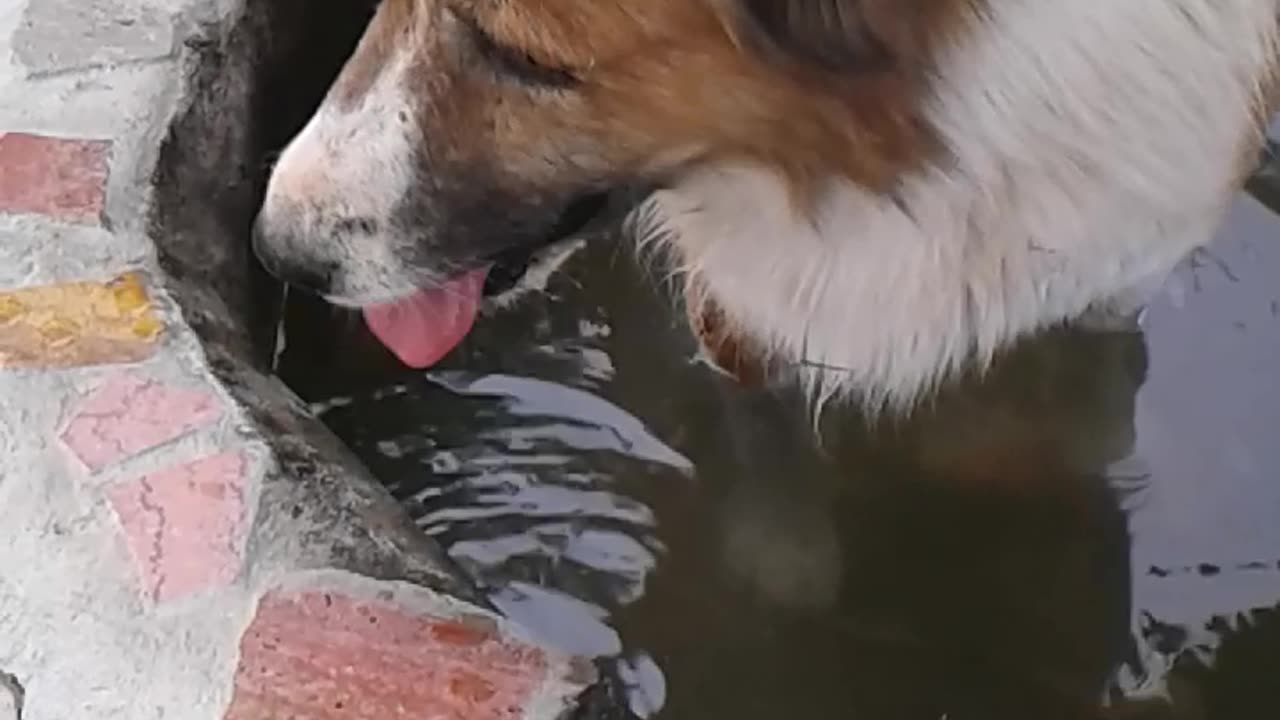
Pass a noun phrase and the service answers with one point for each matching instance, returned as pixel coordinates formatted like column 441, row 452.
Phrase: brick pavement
column 149, row 570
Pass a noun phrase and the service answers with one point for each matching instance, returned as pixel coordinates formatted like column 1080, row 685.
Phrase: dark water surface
column 1093, row 531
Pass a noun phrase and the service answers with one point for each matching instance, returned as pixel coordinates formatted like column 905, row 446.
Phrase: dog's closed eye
column 514, row 63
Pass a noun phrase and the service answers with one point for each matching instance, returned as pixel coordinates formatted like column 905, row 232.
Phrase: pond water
column 1091, row 531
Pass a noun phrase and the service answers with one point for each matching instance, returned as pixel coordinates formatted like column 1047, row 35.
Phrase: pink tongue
column 423, row 327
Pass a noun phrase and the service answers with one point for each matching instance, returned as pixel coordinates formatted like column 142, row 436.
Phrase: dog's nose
column 312, row 277
column 288, row 264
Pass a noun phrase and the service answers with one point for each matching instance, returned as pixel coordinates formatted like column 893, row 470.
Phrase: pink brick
column 185, row 525
column 315, row 655
column 60, row 177
column 129, row 414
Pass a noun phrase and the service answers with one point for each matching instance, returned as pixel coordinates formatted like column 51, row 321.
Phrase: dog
column 869, row 196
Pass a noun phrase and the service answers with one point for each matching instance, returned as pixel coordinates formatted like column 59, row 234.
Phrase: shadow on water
column 1088, row 532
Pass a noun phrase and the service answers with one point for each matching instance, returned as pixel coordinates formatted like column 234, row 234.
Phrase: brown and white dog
column 876, row 193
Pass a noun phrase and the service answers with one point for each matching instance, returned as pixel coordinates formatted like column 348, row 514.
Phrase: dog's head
column 461, row 130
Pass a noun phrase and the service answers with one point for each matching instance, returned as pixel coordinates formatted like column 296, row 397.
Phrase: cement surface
column 94, row 621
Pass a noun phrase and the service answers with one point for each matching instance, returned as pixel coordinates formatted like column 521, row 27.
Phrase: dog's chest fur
column 1091, row 146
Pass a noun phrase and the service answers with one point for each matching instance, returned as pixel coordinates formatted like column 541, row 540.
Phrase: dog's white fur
column 1095, row 143
column 354, row 161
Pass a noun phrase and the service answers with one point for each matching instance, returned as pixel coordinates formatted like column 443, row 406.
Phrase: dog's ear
column 838, row 35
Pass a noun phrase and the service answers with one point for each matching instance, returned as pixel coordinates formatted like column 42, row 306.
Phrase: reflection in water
column 521, row 490
column 1089, row 532
column 1206, row 548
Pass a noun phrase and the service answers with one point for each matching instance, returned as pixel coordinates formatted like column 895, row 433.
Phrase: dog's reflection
column 969, row 562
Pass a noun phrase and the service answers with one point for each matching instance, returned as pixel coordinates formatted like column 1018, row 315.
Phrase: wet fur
column 875, row 194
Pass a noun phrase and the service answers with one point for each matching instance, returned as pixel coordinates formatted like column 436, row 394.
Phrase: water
column 1093, row 531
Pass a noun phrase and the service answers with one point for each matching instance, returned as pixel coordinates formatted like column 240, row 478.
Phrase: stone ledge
column 329, row 647
column 170, row 491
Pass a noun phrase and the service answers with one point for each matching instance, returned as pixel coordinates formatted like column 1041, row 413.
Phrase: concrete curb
column 169, row 503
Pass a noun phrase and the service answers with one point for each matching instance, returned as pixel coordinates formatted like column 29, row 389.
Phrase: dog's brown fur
column 665, row 83
column 948, row 167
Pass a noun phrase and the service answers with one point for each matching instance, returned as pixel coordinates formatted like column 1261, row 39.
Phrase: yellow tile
column 80, row 323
